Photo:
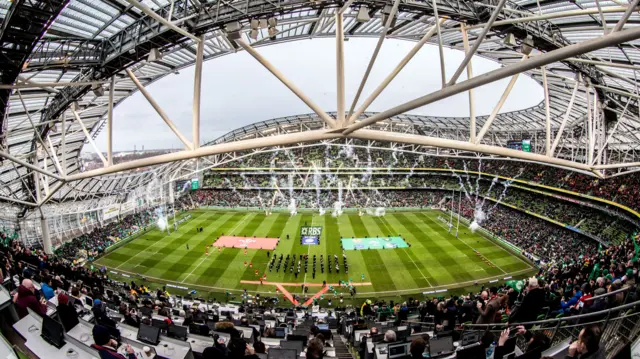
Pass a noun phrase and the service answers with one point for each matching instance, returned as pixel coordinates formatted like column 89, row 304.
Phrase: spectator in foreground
column 239, row 349
column 26, row 298
column 531, row 304
column 488, row 314
column 315, row 349
column 537, row 343
column 389, row 336
column 107, row 346
column 417, row 348
column 588, row 344
column 66, row 312
column 259, row 347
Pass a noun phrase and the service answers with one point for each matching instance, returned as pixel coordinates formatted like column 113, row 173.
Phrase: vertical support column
column 46, row 239
column 442, row 69
column 547, row 141
column 110, row 122
column 64, row 143
column 472, row 107
column 588, row 127
column 171, row 191
column 340, row 68
column 197, row 85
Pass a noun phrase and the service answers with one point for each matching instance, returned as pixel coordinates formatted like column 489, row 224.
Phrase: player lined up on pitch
column 293, row 264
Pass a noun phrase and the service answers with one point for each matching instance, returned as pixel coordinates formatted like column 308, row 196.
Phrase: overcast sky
column 237, row 90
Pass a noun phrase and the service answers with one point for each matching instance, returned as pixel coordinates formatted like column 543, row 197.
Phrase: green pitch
column 435, row 259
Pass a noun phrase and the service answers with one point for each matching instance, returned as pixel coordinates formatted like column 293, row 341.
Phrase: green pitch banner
column 311, row 231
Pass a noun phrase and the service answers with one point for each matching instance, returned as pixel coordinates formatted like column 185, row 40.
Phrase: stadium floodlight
column 233, row 30
column 510, row 40
column 273, row 32
column 97, row 90
column 263, row 23
column 254, row 24
column 154, row 55
column 363, row 14
column 527, row 45
column 253, row 34
column 272, row 21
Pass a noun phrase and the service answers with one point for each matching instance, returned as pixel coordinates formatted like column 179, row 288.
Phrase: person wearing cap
column 66, row 312
column 107, row 346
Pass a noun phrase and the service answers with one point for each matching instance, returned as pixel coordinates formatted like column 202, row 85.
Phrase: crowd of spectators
column 92, row 244
column 575, row 269
column 560, row 289
column 592, row 220
column 622, row 189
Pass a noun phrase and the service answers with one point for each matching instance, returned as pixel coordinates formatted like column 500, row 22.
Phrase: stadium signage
column 176, row 286
column 311, row 231
column 183, row 219
column 110, row 212
column 435, row 291
column 310, row 240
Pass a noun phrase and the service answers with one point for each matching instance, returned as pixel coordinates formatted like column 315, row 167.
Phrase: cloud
column 237, row 90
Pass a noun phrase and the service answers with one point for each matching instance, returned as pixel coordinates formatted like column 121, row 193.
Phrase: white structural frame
column 588, row 154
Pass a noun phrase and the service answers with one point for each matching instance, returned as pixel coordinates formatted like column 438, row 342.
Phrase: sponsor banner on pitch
column 310, row 240
column 373, row 243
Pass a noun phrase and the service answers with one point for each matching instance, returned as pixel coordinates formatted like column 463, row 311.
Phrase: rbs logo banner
column 310, row 231
column 310, row 235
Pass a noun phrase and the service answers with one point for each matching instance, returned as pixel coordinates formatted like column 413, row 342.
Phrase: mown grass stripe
column 466, row 249
column 372, row 258
column 411, row 265
column 439, row 253
column 180, row 267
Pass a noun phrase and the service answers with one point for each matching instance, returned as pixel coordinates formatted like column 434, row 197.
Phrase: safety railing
column 620, row 325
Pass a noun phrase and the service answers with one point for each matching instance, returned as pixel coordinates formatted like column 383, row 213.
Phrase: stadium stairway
column 342, row 352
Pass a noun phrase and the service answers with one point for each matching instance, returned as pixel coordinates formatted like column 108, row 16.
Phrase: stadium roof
column 62, row 58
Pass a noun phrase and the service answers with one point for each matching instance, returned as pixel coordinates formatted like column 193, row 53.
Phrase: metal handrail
column 557, row 320
column 625, row 288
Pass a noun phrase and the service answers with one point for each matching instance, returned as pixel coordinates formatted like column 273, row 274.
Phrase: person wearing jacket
column 26, row 298
column 66, row 312
column 588, row 344
column 46, row 289
column 566, row 305
column 239, row 349
column 537, row 343
column 106, row 346
column 488, row 314
column 531, row 304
